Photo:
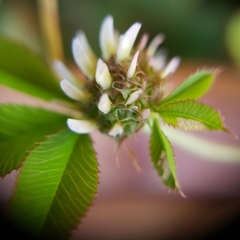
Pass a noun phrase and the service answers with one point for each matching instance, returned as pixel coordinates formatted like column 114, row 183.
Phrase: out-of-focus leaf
column 191, row 115
column 162, row 156
column 203, row 147
column 9, row 80
column 192, row 88
column 20, row 62
column 233, row 37
column 21, row 128
column 56, row 186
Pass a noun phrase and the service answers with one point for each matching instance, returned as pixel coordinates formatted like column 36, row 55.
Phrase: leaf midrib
column 57, row 187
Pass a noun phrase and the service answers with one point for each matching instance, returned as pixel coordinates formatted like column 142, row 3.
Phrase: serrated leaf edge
column 178, row 187
column 95, row 194
column 193, row 100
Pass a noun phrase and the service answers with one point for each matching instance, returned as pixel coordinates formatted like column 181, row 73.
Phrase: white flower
column 74, row 92
column 143, row 42
column 63, row 72
column 104, row 104
column 134, row 96
column 158, row 61
column 120, row 85
column 171, row 67
column 103, row 76
column 83, row 55
column 107, row 37
column 152, row 48
column 81, row 126
column 126, row 42
column 145, row 113
column 133, row 66
column 116, row 129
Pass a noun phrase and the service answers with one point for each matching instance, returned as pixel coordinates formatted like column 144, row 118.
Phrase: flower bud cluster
column 120, row 88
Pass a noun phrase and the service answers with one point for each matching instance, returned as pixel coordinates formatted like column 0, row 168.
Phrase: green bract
column 118, row 95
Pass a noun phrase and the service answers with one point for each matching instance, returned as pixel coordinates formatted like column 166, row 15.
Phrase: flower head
column 119, row 88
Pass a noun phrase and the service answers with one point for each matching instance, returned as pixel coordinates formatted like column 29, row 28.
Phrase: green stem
column 49, row 22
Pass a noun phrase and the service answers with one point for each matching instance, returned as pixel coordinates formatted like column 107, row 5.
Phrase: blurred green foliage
column 193, row 28
column 233, row 38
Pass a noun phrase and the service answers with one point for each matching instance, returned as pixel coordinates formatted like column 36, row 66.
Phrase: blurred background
column 194, row 29
column 132, row 205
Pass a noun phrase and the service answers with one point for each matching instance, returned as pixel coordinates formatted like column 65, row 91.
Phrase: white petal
column 107, row 37
column 104, row 104
column 103, row 76
column 83, row 55
column 73, row 92
column 116, row 129
column 134, row 96
column 157, row 62
column 171, row 67
column 63, row 71
column 133, row 65
column 81, row 126
column 145, row 113
column 143, row 42
column 126, row 42
column 116, row 36
column 154, row 44
column 158, row 92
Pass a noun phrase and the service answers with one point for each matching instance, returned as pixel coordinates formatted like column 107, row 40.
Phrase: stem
column 49, row 23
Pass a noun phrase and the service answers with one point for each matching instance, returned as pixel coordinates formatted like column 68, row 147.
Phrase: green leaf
column 56, row 186
column 191, row 115
column 18, row 63
column 162, row 157
column 21, row 128
column 233, row 37
column 192, row 88
column 12, row 81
